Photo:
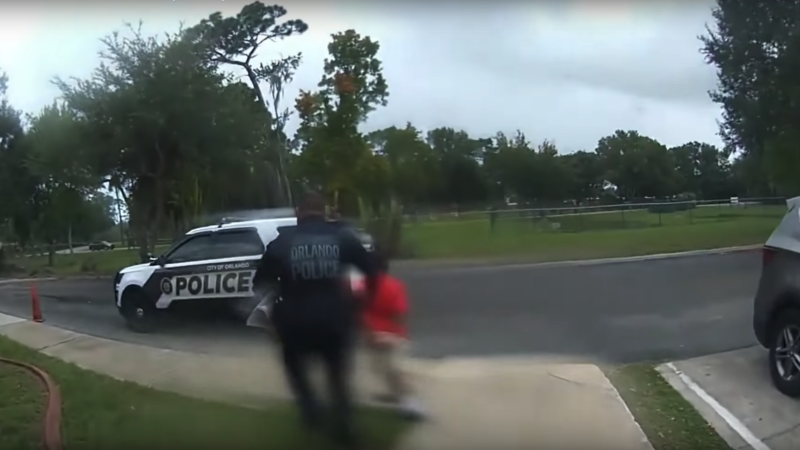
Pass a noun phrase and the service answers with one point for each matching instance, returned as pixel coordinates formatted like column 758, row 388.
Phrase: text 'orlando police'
column 315, row 261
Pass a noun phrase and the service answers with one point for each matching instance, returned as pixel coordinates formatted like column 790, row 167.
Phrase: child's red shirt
column 386, row 312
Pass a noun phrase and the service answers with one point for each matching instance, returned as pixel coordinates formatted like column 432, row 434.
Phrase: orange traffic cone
column 37, row 307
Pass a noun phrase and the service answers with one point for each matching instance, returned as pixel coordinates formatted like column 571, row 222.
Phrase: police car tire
column 132, row 300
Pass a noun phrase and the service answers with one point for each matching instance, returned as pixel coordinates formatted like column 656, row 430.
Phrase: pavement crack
column 777, row 434
column 577, row 383
column 65, row 341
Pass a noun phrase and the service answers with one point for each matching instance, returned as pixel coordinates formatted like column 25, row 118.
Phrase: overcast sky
column 569, row 72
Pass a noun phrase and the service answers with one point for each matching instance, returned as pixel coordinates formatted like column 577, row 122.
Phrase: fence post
column 622, row 213
column 690, row 215
column 659, row 218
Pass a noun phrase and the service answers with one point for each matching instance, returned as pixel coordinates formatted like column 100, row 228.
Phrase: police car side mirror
column 156, row 261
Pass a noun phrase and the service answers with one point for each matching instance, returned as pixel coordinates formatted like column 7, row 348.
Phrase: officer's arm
column 359, row 257
column 268, row 268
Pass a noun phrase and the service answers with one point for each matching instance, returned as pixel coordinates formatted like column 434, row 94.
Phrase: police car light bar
column 226, row 220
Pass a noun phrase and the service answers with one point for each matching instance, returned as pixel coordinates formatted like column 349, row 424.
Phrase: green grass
column 89, row 263
column 21, row 409
column 668, row 420
column 628, row 233
column 553, row 238
column 101, row 412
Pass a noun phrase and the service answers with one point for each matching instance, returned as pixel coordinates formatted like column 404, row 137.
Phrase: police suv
column 214, row 262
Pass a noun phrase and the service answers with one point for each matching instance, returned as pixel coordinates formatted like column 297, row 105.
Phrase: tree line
column 182, row 126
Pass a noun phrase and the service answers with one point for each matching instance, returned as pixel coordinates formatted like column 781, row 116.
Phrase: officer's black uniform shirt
column 308, row 263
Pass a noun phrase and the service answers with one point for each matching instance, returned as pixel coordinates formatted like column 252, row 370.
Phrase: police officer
column 316, row 315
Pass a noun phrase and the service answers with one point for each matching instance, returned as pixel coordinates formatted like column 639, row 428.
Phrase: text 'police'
column 315, row 261
column 213, row 284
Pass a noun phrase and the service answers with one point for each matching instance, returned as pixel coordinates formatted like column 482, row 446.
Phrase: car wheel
column 140, row 314
column 784, row 353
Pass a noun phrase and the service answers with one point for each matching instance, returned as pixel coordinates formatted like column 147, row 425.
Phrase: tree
column 236, row 40
column 586, row 175
column 63, row 180
column 334, row 155
column 638, row 165
column 412, row 165
column 755, row 45
column 279, row 73
column 462, row 179
column 16, row 183
column 167, row 130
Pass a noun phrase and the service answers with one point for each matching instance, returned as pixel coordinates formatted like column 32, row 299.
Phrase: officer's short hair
column 312, row 203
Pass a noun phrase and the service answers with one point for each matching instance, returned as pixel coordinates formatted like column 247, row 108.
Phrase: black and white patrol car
column 215, row 262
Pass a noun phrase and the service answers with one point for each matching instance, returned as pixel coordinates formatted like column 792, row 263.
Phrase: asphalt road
column 624, row 312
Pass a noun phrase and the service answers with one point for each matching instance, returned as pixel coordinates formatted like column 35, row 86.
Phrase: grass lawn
column 626, row 233
column 88, row 263
column 554, row 238
column 668, row 420
column 21, row 409
column 101, row 412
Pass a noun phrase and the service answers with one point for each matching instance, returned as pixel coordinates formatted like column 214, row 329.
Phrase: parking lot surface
column 734, row 393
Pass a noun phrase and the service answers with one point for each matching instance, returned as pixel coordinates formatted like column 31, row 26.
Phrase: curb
column 52, row 414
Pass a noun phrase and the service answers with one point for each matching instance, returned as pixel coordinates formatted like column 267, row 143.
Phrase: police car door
column 211, row 265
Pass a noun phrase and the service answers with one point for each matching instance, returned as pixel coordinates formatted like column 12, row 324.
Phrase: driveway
column 733, row 391
column 671, row 309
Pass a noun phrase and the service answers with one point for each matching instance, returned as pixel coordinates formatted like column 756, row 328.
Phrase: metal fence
column 625, row 215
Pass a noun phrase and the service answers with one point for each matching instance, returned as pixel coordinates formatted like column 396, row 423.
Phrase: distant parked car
column 776, row 311
column 101, row 245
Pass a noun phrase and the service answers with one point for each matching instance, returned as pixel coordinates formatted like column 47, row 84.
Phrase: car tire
column 141, row 315
column 785, row 381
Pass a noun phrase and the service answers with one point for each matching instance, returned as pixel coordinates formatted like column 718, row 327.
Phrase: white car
column 215, row 262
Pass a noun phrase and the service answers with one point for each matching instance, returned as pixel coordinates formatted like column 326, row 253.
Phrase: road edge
column 437, row 266
column 465, row 266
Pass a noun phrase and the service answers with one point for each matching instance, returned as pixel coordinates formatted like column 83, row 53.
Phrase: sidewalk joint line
column 65, row 341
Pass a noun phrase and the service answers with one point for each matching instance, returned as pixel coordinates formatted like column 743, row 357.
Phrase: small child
column 387, row 339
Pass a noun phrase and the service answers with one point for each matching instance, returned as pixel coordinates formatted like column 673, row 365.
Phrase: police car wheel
column 139, row 312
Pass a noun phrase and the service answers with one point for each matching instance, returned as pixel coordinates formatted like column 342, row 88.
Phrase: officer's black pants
column 335, row 349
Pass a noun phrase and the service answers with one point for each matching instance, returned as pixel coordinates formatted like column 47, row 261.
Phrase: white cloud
column 571, row 71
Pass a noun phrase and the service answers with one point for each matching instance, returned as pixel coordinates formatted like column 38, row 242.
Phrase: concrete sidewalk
column 497, row 403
